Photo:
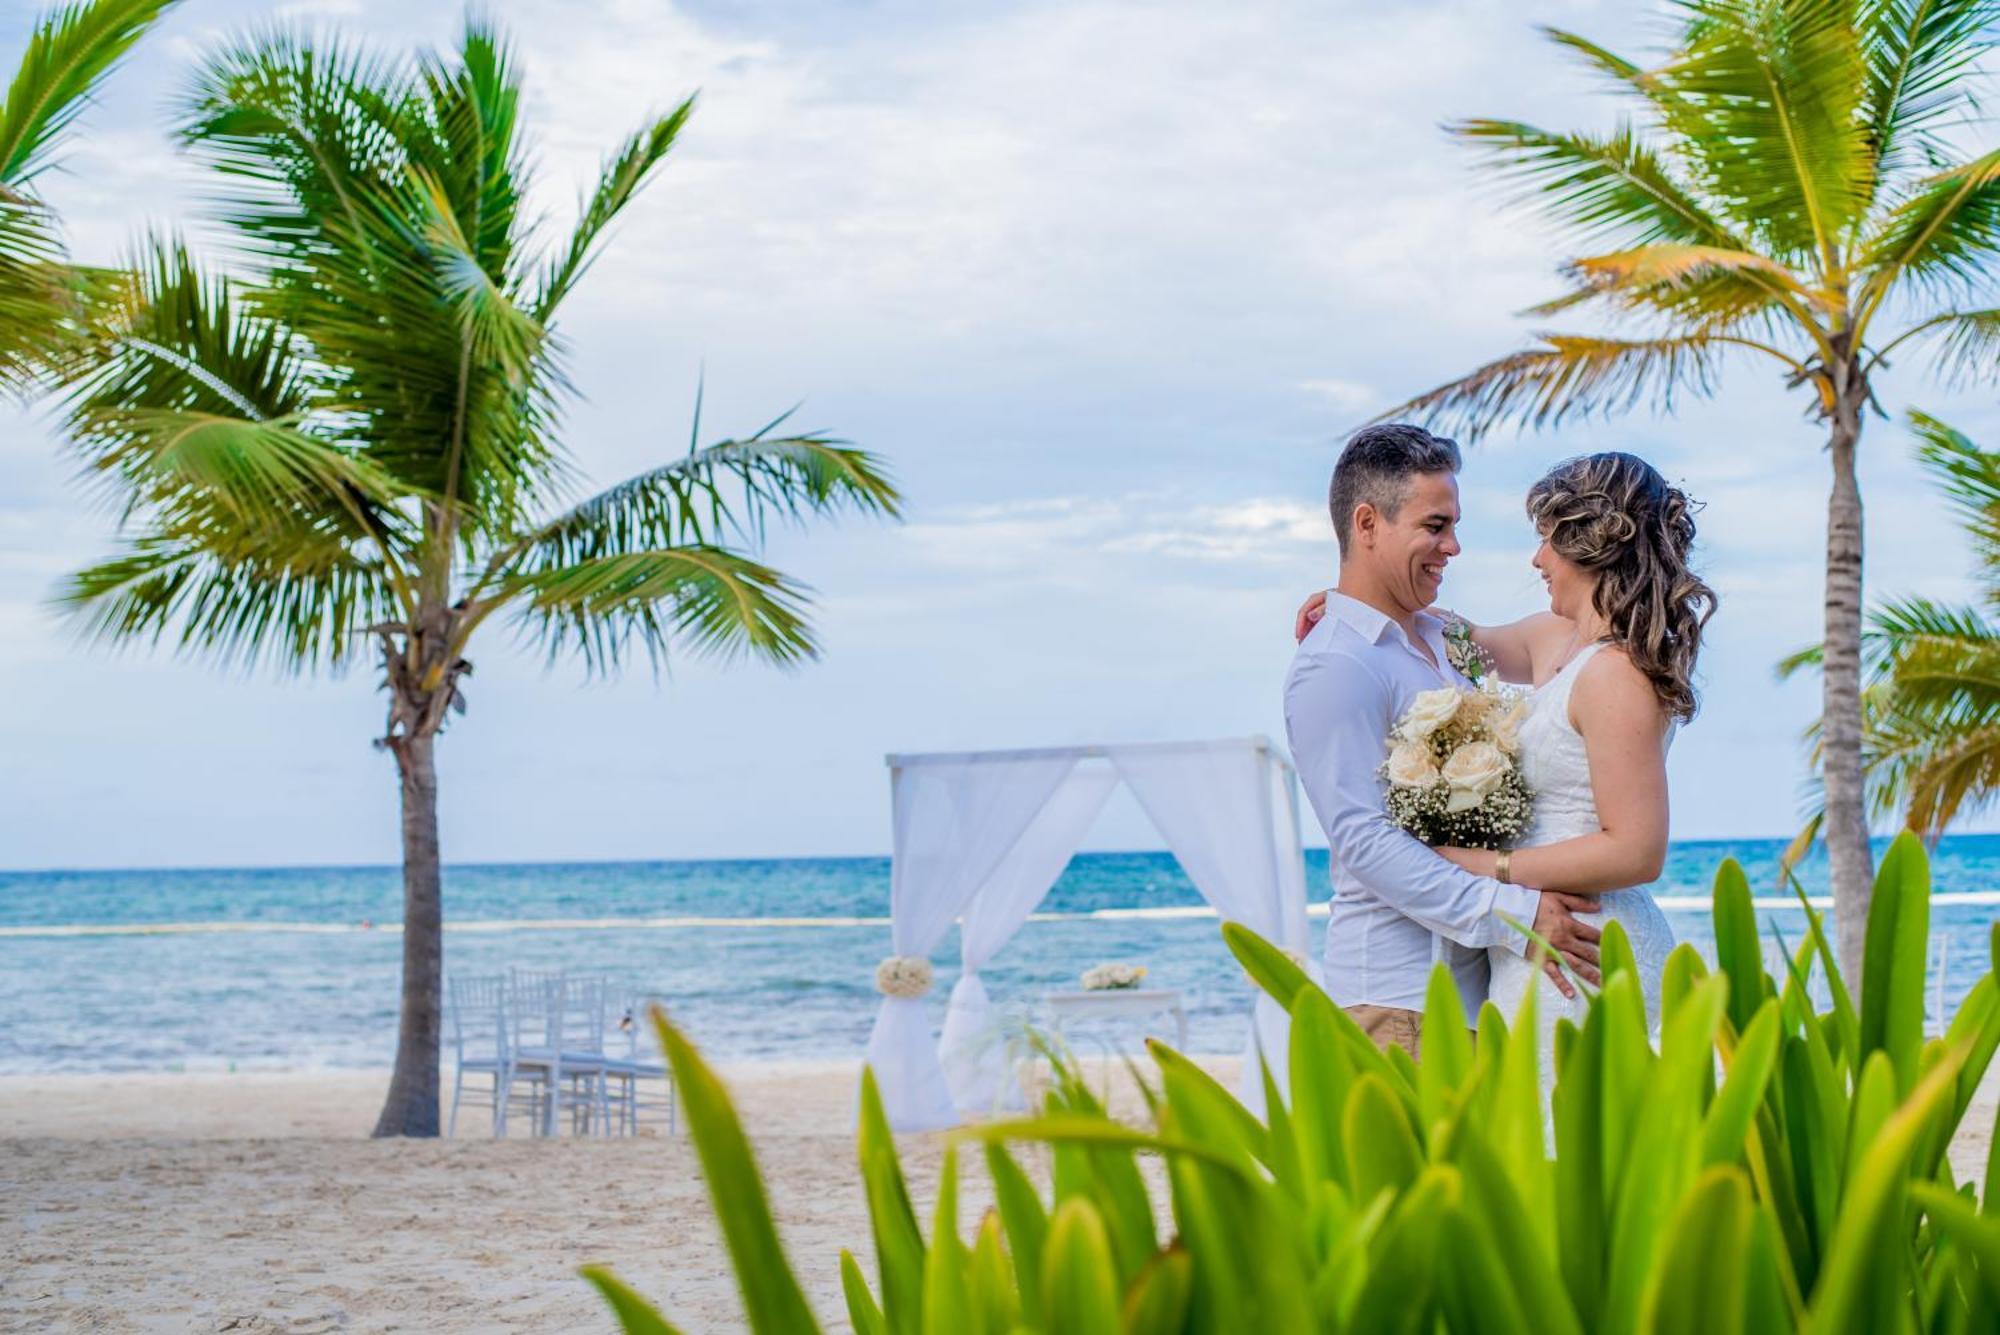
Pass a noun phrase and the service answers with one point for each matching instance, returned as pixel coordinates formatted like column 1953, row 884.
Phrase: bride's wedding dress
column 1555, row 765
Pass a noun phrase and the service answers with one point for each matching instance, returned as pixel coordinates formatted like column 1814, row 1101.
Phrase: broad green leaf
column 1447, row 1047
column 1978, row 1234
column 1477, row 1291
column 1158, row 1301
column 996, row 1302
column 1736, row 946
column 1079, row 1295
column 1615, row 952
column 1523, row 1247
column 1285, row 1165
column 862, row 1311
column 1684, row 969
column 1383, row 1152
column 1399, row 1293
column 1874, row 1102
column 1729, row 1118
column 1582, row 1200
column 1666, row 1150
column 635, row 1315
column 1321, row 1079
column 1864, row 1279
column 1847, row 1020
column 772, row 1300
column 1200, row 1109
column 1892, row 969
column 1268, row 966
column 947, row 1302
column 1022, row 1215
column 899, row 1247
column 1816, row 1131
column 1700, row 1286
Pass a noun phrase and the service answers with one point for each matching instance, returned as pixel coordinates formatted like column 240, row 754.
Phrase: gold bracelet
column 1503, row 867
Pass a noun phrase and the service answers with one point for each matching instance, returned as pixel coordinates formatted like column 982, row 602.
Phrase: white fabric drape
column 954, row 822
column 972, row 1048
column 1219, row 809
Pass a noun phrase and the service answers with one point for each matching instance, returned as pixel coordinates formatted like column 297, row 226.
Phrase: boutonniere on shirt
column 1470, row 661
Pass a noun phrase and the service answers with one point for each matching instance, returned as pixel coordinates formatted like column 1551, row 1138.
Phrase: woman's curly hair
column 1613, row 515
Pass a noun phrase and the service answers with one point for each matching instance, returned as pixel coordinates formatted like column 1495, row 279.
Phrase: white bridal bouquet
column 1108, row 977
column 1453, row 769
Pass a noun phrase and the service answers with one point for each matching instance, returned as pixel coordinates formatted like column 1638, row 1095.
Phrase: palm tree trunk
column 1851, row 862
column 412, row 1106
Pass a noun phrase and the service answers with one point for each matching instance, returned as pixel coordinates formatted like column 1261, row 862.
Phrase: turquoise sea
column 274, row 968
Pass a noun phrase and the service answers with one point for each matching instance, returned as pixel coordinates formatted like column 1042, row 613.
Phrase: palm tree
column 351, row 444
column 43, row 297
column 1931, row 710
column 1786, row 188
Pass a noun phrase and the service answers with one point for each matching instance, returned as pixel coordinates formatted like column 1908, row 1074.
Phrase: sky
column 1106, row 285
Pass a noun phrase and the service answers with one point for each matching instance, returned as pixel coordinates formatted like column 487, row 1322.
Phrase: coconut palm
column 1785, row 188
column 43, row 298
column 352, row 444
column 1931, row 740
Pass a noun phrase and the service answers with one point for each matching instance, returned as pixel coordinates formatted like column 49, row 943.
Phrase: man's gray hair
column 1376, row 466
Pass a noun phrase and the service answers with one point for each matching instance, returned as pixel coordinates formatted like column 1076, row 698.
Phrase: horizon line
column 192, row 868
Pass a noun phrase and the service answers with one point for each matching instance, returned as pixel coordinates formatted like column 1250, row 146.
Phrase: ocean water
column 296, row 968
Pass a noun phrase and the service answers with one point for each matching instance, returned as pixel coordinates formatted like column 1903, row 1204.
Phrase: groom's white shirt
column 1397, row 906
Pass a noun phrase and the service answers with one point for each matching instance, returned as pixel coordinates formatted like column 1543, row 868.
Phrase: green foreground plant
column 1764, row 1167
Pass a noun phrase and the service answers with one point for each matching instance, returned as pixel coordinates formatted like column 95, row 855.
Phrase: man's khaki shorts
column 1387, row 1024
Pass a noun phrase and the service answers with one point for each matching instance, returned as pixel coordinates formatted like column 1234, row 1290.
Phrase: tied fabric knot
column 906, row 976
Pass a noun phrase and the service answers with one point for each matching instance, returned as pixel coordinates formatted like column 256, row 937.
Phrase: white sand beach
column 255, row 1202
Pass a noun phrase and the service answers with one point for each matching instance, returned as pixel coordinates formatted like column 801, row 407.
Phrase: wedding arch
column 980, row 838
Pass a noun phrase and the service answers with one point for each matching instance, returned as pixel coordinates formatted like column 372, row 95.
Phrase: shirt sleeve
column 1337, row 715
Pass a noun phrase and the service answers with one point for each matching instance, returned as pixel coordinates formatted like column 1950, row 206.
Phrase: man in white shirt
column 1397, row 906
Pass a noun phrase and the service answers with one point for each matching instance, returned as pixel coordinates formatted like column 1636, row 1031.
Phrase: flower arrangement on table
column 1113, row 977
column 1453, row 771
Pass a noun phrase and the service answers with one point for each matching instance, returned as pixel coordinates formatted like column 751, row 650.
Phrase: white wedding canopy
column 979, row 839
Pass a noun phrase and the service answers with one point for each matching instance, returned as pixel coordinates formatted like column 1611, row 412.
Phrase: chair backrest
column 558, row 1010
column 478, row 1016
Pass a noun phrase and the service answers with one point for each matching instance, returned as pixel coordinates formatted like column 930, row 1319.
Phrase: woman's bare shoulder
column 1611, row 680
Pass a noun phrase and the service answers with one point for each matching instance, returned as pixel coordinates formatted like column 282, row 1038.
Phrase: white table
column 1114, row 1003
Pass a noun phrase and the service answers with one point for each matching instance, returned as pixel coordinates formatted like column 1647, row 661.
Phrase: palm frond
column 1569, row 376
column 724, row 492
column 623, row 177
column 707, row 599
column 69, row 54
column 496, row 330
column 242, row 609
column 1967, row 343
column 1712, row 289
column 1969, row 478
column 1943, row 237
column 1608, row 187
column 1770, row 93
column 1919, row 52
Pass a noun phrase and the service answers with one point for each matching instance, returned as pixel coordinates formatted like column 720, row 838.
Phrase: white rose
column 1474, row 771
column 1430, row 711
column 1411, row 766
column 1506, row 728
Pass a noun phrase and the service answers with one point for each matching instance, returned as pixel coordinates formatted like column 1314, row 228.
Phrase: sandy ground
column 254, row 1203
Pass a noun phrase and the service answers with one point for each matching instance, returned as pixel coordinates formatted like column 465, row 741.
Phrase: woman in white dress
column 1612, row 664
